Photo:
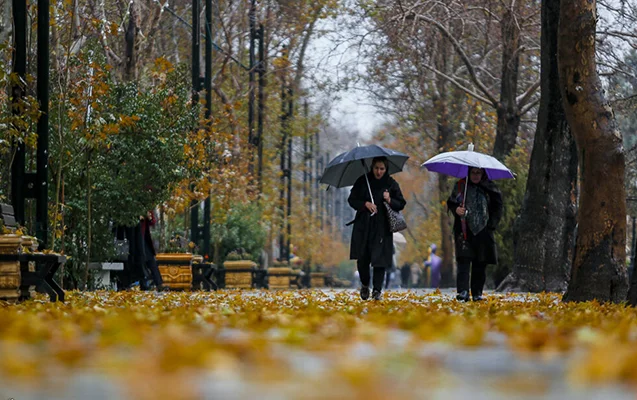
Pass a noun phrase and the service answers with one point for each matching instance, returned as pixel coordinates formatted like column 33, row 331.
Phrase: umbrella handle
column 370, row 189
column 367, row 180
column 466, row 184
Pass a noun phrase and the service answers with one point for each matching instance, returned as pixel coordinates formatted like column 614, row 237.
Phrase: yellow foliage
column 169, row 339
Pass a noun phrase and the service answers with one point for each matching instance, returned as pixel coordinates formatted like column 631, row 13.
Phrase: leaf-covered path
column 315, row 345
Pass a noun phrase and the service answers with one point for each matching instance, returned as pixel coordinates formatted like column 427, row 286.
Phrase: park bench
column 203, row 276
column 46, row 265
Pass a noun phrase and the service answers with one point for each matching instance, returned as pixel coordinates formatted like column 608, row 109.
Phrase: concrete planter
column 276, row 280
column 238, row 274
column 175, row 270
column 318, row 279
column 10, row 270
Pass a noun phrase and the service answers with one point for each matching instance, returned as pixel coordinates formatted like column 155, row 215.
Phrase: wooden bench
column 46, row 265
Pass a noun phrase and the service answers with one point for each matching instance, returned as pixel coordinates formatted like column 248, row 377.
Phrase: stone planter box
column 175, row 270
column 318, row 279
column 10, row 270
column 238, row 274
column 279, row 277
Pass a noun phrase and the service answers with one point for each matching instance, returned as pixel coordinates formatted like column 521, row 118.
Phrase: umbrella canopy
column 346, row 167
column 457, row 163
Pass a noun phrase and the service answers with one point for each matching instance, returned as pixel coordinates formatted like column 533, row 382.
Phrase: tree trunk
column 507, row 109
column 544, row 231
column 446, row 242
column 132, row 29
column 444, row 135
column 599, row 270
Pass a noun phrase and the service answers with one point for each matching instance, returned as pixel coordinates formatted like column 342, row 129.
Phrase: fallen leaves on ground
column 330, row 343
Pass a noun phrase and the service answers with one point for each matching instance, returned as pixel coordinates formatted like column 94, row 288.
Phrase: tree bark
column 132, row 29
column 507, row 108
column 544, row 231
column 599, row 270
column 444, row 135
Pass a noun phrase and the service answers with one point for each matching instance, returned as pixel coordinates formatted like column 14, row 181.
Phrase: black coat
column 371, row 235
column 481, row 247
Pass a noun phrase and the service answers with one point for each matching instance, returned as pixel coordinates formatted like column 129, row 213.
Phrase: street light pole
column 251, row 74
column 284, row 132
column 42, row 161
column 261, row 106
column 208, row 87
column 17, row 92
column 289, row 171
column 196, row 86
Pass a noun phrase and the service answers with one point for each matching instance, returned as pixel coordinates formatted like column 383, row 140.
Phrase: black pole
column 17, row 92
column 289, row 211
column 311, row 173
column 328, row 198
column 42, row 161
column 196, row 86
column 282, row 252
column 251, row 75
column 632, row 249
column 208, row 83
column 319, row 172
column 321, row 210
column 261, row 106
column 305, row 153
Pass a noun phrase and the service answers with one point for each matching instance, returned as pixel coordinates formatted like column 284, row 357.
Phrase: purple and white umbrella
column 457, row 163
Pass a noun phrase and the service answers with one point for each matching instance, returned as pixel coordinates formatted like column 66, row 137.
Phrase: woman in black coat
column 372, row 241
column 475, row 243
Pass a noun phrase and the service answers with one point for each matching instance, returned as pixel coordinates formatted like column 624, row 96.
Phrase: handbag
column 396, row 220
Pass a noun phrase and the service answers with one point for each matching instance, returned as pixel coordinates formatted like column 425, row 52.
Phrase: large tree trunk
column 444, row 135
column 446, row 243
column 132, row 29
column 507, row 108
column 599, row 270
column 544, row 231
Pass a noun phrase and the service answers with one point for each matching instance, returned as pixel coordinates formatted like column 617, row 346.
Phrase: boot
column 365, row 292
column 463, row 296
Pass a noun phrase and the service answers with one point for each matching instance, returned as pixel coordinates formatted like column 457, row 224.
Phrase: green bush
column 118, row 170
column 241, row 230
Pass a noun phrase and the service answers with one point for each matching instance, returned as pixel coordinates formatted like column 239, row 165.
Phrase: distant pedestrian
column 434, row 263
column 405, row 272
column 372, row 241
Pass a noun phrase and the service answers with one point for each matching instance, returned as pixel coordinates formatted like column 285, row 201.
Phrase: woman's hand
column 386, row 196
column 371, row 207
column 461, row 211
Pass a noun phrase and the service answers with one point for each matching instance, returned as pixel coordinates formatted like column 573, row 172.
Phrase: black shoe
column 365, row 292
column 478, row 297
column 163, row 289
column 463, row 296
column 376, row 294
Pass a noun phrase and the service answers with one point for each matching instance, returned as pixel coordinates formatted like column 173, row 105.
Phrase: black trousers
column 363, row 265
column 151, row 268
column 478, row 272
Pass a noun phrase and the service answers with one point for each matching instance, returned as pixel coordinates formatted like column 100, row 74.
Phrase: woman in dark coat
column 372, row 241
column 475, row 243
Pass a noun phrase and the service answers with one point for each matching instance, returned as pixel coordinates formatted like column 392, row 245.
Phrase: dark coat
column 481, row 247
column 371, row 235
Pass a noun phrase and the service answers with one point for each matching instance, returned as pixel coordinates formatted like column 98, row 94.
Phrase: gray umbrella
column 345, row 168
